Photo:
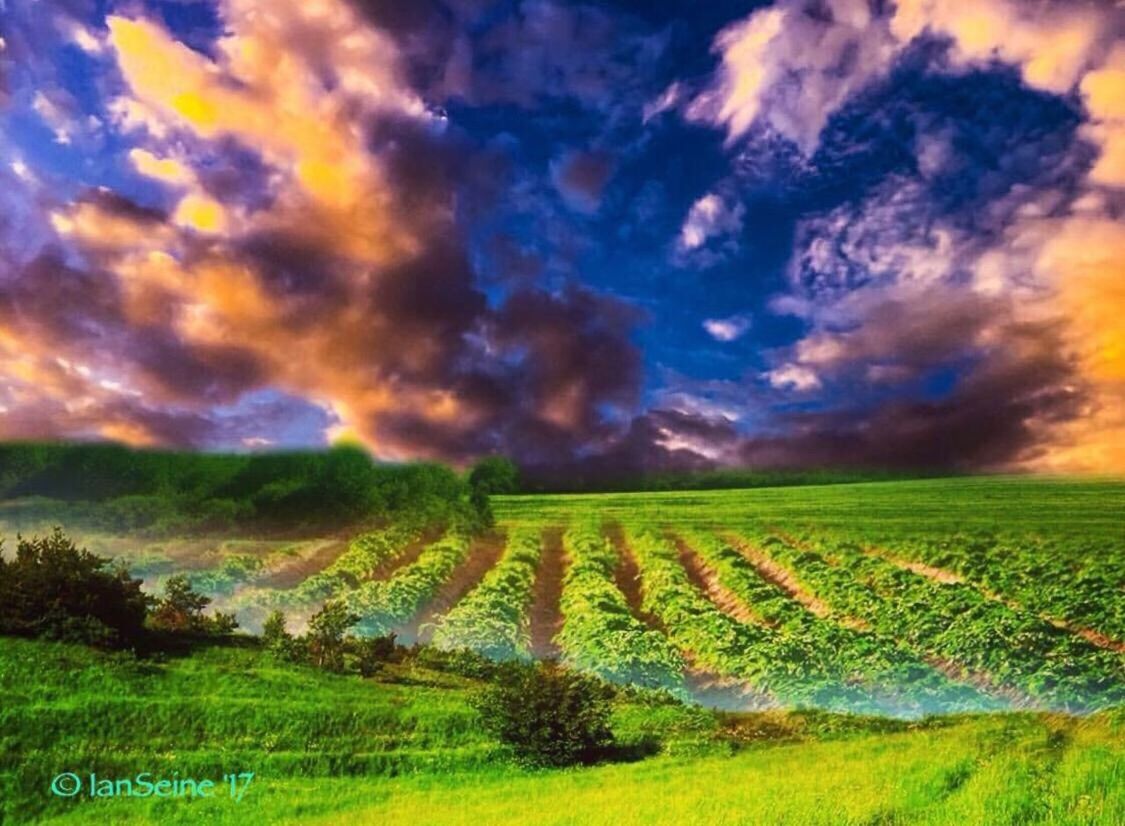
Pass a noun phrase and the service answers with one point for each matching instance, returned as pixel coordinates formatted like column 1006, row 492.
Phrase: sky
column 636, row 235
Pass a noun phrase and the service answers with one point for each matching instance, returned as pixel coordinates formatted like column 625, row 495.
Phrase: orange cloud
column 293, row 84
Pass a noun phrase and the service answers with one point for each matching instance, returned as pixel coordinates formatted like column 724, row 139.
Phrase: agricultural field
column 941, row 651
column 896, row 598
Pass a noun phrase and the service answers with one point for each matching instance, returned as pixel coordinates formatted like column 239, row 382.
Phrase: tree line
column 113, row 487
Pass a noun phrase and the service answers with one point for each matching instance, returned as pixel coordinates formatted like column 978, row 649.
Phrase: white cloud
column 727, row 329
column 789, row 69
column 22, row 171
column 670, row 98
column 53, row 116
column 889, row 237
column 85, row 39
column 793, row 377
column 710, row 217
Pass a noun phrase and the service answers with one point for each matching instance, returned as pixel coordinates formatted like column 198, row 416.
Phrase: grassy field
column 405, row 747
column 979, row 624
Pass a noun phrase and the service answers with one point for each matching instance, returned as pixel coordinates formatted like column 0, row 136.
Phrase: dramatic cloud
column 709, row 217
column 343, row 282
column 896, row 290
column 853, row 232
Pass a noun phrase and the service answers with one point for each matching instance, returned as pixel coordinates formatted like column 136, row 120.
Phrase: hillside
column 405, row 747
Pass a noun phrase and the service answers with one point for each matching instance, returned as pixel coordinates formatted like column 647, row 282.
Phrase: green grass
column 1057, row 507
column 407, row 748
column 1030, row 556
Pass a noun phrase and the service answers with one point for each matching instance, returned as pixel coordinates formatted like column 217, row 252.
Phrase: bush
column 56, row 590
column 180, row 611
column 549, row 715
column 327, row 629
column 365, row 655
column 274, row 635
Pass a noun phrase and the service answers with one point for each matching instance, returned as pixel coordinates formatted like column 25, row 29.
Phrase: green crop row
column 762, row 659
column 955, row 623
column 229, row 574
column 796, row 669
column 897, row 679
column 1079, row 580
column 384, row 604
column 600, row 633
column 492, row 618
column 365, row 553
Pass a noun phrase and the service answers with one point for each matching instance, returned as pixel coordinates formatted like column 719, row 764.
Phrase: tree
column 180, row 610
column 366, row 655
column 221, row 625
column 56, row 590
column 549, row 715
column 274, row 635
column 327, row 628
column 494, row 475
column 488, row 477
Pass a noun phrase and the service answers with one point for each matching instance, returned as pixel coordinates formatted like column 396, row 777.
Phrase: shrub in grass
column 549, row 715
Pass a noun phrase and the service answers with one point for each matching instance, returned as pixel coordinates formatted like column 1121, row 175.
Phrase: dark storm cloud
column 486, row 52
column 989, row 420
column 65, row 302
column 202, row 373
column 571, row 360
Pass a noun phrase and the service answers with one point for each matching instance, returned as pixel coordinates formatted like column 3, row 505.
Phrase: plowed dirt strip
column 484, row 553
column 706, row 579
column 407, row 556
column 944, row 577
column 706, row 687
column 627, row 576
column 293, row 573
column 780, row 576
column 544, row 615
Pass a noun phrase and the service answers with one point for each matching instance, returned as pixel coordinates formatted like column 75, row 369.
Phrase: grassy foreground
column 406, row 747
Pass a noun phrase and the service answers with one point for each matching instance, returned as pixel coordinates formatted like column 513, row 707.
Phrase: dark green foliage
column 549, row 715
column 365, row 655
column 274, row 635
column 494, row 475
column 462, row 661
column 490, row 476
column 115, row 488
column 56, row 590
column 180, row 611
column 328, row 645
column 326, row 635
